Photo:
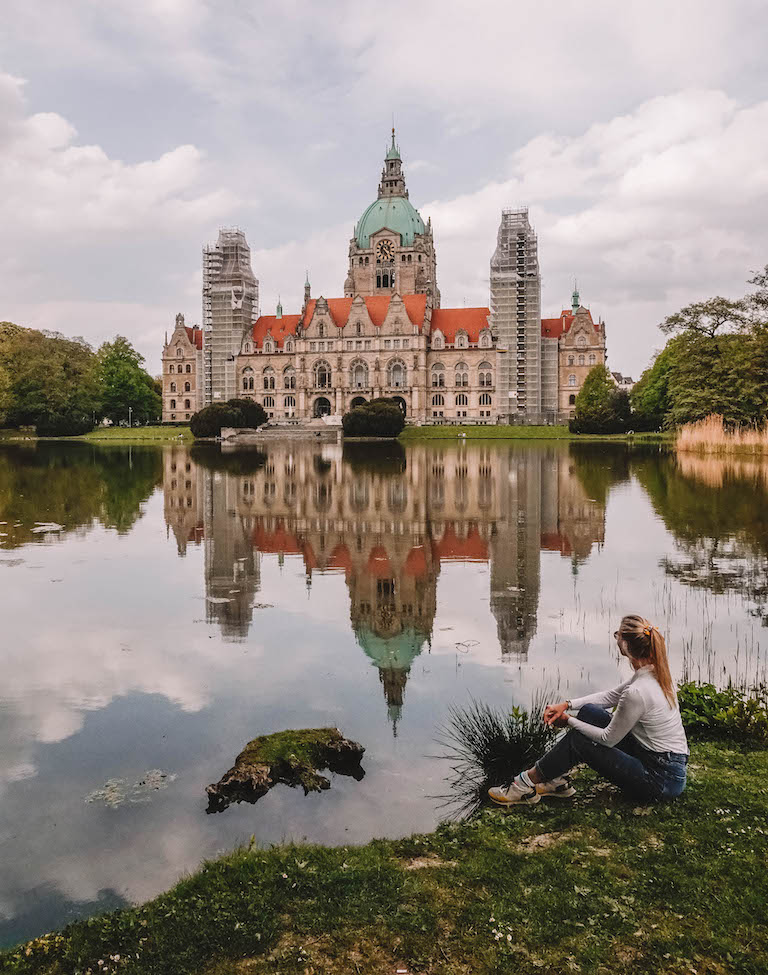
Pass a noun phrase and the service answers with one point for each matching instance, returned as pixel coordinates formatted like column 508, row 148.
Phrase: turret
column 575, row 300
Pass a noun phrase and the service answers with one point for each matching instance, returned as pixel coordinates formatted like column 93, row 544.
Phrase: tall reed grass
column 712, row 436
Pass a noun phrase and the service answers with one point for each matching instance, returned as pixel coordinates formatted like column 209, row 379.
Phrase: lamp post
column 130, row 410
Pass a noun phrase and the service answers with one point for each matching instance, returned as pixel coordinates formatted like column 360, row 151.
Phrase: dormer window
column 485, row 339
column 462, row 342
column 269, row 345
column 289, row 345
column 247, row 347
column 438, row 342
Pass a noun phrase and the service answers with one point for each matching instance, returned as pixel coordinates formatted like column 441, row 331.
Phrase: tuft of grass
column 487, row 747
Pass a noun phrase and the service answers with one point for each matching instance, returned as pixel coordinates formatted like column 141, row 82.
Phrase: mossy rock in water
column 291, row 757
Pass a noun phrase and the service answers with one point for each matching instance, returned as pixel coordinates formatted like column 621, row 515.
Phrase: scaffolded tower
column 230, row 306
column 516, row 315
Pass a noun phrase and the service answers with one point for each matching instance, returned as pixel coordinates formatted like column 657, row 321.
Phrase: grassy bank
column 598, row 885
column 515, row 432
column 156, row 434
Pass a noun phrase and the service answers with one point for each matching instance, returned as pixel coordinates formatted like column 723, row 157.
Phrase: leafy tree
column 651, row 395
column 54, row 380
column 600, row 407
column 708, row 318
column 379, row 418
column 125, row 384
column 209, row 421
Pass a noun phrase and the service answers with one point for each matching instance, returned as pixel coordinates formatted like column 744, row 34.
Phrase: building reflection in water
column 388, row 519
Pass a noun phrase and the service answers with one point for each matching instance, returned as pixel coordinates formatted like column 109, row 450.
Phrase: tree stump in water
column 291, row 757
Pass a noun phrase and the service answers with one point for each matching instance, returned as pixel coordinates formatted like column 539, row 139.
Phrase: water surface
column 162, row 606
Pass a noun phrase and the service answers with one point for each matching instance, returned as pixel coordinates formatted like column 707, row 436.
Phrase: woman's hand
column 555, row 715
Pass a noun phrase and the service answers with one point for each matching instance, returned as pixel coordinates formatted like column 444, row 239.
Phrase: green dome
column 396, row 651
column 393, row 212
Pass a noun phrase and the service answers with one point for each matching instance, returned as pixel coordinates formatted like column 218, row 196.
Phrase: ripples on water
column 163, row 606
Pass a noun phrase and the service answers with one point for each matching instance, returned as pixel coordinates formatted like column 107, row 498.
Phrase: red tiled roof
column 553, row 328
column 278, row 540
column 453, row 320
column 377, row 306
column 451, row 548
column 195, row 336
column 378, row 562
column 416, row 561
column 277, row 327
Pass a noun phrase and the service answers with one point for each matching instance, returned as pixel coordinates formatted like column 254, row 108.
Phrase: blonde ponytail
column 645, row 642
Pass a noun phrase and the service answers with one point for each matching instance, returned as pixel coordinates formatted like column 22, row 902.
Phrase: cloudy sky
column 130, row 130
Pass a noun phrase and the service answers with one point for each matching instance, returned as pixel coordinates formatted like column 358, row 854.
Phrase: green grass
column 156, row 434
column 509, row 432
column 595, row 886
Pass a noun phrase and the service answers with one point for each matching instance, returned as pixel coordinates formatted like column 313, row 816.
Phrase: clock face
column 385, row 250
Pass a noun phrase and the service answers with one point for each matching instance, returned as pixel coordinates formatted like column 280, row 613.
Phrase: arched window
column 189, row 368
column 247, row 378
column 582, row 360
column 396, row 374
column 485, row 399
column 485, row 339
column 289, row 378
column 359, row 375
column 485, row 372
column 289, row 403
column 581, row 341
column 321, row 329
column 571, row 360
column 571, row 380
column 247, row 347
column 187, row 404
column 269, row 378
column 269, row 402
column 269, row 345
column 572, row 399
column 288, row 345
column 187, row 388
column 461, row 376
column 461, row 399
column 438, row 342
column 173, row 387
column 171, row 368
column 592, row 358
column 462, row 341
column 322, row 373
column 173, row 404
column 438, row 400
column 179, row 353
column 438, row 374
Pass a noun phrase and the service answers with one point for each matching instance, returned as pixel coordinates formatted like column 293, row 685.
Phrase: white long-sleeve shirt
column 642, row 708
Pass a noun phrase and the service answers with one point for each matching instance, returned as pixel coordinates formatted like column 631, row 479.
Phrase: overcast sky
column 130, row 130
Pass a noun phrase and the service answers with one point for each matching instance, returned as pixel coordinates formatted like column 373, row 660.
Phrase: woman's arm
column 603, row 699
column 628, row 712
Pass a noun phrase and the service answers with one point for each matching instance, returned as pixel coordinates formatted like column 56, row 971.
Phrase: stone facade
column 388, row 336
column 182, row 372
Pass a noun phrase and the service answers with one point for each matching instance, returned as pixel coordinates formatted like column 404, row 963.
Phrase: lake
column 162, row 606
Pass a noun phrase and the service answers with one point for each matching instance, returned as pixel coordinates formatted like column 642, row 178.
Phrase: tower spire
column 575, row 299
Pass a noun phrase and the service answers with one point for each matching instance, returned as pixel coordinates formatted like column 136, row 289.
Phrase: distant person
column 641, row 746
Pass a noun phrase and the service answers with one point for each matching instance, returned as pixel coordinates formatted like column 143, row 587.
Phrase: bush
column 63, row 425
column 379, row 418
column 740, row 715
column 209, row 421
column 253, row 413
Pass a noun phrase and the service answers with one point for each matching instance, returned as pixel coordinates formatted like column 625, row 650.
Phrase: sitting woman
column 641, row 746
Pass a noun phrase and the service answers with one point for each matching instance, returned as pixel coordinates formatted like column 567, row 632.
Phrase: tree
column 54, row 381
column 600, row 408
column 238, row 413
column 379, row 418
column 125, row 385
column 708, row 317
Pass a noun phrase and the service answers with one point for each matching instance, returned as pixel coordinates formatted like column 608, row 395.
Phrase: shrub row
column 240, row 413
column 379, row 418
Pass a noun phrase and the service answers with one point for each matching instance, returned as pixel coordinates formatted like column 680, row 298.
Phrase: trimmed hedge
column 379, row 418
column 209, row 421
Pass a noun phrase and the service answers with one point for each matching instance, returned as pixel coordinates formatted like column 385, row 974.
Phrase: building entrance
column 322, row 407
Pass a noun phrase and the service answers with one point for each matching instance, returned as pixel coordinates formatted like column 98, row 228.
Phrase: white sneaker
column 515, row 795
column 559, row 788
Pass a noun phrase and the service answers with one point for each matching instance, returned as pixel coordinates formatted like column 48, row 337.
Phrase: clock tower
column 392, row 251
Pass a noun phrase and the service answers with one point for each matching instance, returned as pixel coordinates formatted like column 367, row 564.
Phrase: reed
column 712, row 436
column 488, row 747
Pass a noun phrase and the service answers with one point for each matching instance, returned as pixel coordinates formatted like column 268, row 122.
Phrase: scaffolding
column 230, row 307
column 516, row 315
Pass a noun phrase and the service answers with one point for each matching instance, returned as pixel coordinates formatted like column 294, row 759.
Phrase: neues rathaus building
column 388, row 335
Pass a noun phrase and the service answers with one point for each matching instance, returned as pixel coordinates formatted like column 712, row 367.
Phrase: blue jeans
column 644, row 774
